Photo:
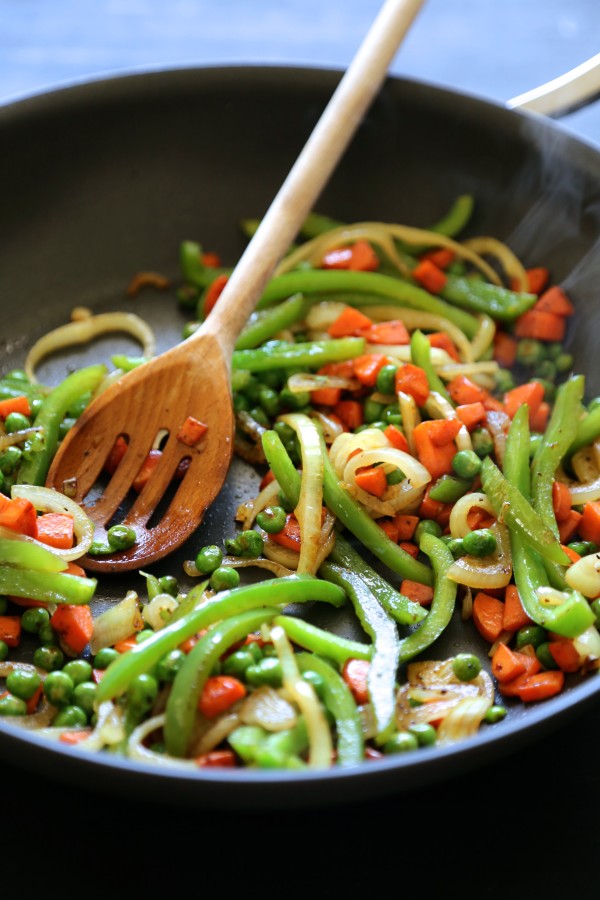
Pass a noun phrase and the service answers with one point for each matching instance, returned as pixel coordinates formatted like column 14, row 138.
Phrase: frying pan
column 105, row 179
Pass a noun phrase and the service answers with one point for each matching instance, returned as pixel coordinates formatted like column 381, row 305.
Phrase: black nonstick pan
column 103, row 180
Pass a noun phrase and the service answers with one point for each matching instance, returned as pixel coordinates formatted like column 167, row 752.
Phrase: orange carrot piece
column 14, row 405
column 191, row 431
column 554, row 300
column 565, row 654
column 116, row 454
column 589, row 524
column 363, row 257
column 538, row 420
column 441, row 340
column 540, row 325
column 74, row 737
column 561, row 500
column 19, row 515
column 350, row 323
column 411, row 379
column 430, row 276
column 569, row 527
column 390, row 527
column 344, row 369
column 327, row 396
column 441, row 431
column 531, row 393
column 213, row 292
column 537, row 279
column 148, row 467
column 441, row 257
column 572, row 554
column 471, row 414
column 479, row 518
column 514, row 616
column 488, row 616
column 392, row 332
column 414, row 590
column 337, row 258
column 372, row 479
column 219, row 693
column 126, row 644
column 462, row 390
column 56, row 530
column 10, row 630
column 532, row 667
column 437, row 460
column 433, row 509
column 368, row 366
column 217, row 759
column 289, row 536
column 406, row 526
column 74, row 624
column 409, row 547
column 506, row 664
column 396, row 438
column 505, row 349
column 541, row 685
column 355, row 673
column 211, row 259
column 350, row 412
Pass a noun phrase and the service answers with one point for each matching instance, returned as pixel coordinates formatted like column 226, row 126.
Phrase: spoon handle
column 311, row 171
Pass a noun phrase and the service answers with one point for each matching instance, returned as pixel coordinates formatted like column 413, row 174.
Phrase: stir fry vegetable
column 424, row 455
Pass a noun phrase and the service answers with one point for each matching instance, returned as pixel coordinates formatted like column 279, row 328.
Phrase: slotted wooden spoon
column 194, row 377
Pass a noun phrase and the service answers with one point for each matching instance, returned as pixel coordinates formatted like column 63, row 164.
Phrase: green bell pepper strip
column 310, row 354
column 317, row 640
column 338, row 699
column 395, row 290
column 49, row 417
column 192, row 267
column 350, row 514
column 516, row 512
column 381, row 628
column 588, row 430
column 275, row 592
column 21, row 387
column 186, row 690
column 316, row 224
column 479, row 296
column 50, row 587
column 271, row 750
column 29, row 555
column 457, row 217
column 442, row 605
column 420, row 354
column 264, row 324
column 529, row 572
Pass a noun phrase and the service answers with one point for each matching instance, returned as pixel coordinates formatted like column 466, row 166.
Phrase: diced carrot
column 219, row 693
column 217, row 759
column 74, row 737
column 442, row 257
column 441, row 431
column 554, row 300
column 492, row 404
column 349, row 323
column 479, row 518
column 569, row 527
column 350, row 412
column 565, row 654
column 10, row 630
column 441, row 340
column 126, row 644
column 433, row 509
column 589, row 525
column 532, row 667
column 462, row 390
column 537, row 279
column 488, row 616
column 412, row 380
column 191, row 431
column 337, row 258
column 344, row 369
column 213, row 292
column 561, row 500
column 541, row 685
column 392, row 332
column 505, row 349
column 74, row 624
column 414, row 590
column 538, row 421
column 531, row 393
column 289, row 536
column 148, row 467
column 115, row 456
column 355, row 673
column 506, row 664
column 436, row 459
column 409, row 547
column 56, row 530
column 540, row 325
column 19, row 515
column 327, row 396
column 368, row 366
column 363, row 257
column 430, row 276
column 396, row 438
column 406, row 526
column 211, row 259
column 514, row 616
column 471, row 414
column 572, row 554
column 33, row 701
column 390, row 527
column 372, row 479
column 14, row 405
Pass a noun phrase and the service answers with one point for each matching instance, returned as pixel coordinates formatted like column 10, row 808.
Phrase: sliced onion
column 117, row 623
column 586, row 465
column 280, row 556
column 493, row 571
column 321, row 315
column 330, row 426
column 513, row 267
column 138, row 751
column 463, row 720
column 458, row 523
column 584, row 575
column 85, row 330
column 17, row 437
column 474, row 370
column 268, row 708
column 498, row 423
column 484, row 337
column 587, row 645
column 248, row 510
column 410, row 418
column 437, row 690
column 49, row 500
column 159, row 610
column 209, row 733
column 309, row 381
column 259, row 562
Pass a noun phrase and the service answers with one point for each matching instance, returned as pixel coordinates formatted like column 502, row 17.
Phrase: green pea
column 425, row 733
column 70, row 717
column 454, row 545
column 504, row 381
column 494, row 714
column 546, row 369
column 427, row 526
column 386, row 379
column 285, row 431
column 121, row 537
column 266, row 671
column 168, row 585
column 480, row 542
column 401, row 742
column 583, row 548
column 12, row 706
column 564, row 363
column 293, row 400
column 16, row 422
column 466, row 464
column 208, row 559
column 542, row 651
column 272, row 519
column 372, row 411
column 23, row 683
column 260, row 416
column 48, row 657
column 224, row 578
column 240, row 403
column 530, row 352
column 237, row 662
column 143, row 635
column 104, row 657
column 4, row 651
column 274, row 378
column 269, row 401
column 58, row 688
column 33, row 619
column 168, row 667
column 142, row 693
column 250, row 543
column 466, row 666
column 84, row 696
column 78, row 670
column 391, row 415
column 530, row 634
column 10, row 459
column 553, row 349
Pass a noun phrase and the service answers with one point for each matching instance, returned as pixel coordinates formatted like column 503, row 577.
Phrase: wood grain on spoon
column 194, row 377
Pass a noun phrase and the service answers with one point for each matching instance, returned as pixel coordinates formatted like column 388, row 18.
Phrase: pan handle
column 566, row 94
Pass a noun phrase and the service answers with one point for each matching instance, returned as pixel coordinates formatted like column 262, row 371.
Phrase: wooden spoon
column 194, row 377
